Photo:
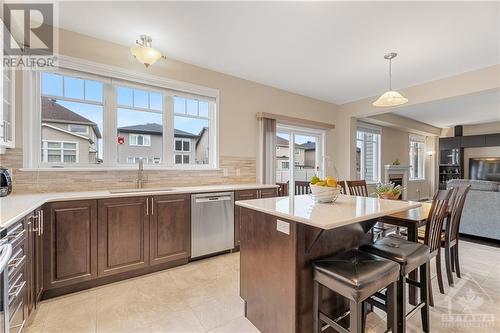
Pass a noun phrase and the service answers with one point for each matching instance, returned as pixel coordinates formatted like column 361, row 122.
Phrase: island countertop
column 346, row 210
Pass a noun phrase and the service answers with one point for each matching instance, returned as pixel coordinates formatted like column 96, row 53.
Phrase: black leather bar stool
column 356, row 275
column 409, row 256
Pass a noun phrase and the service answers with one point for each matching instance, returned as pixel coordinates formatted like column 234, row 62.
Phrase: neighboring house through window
column 417, row 157
column 78, row 107
column 368, row 153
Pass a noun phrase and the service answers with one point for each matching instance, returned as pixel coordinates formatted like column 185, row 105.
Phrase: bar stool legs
column 424, row 295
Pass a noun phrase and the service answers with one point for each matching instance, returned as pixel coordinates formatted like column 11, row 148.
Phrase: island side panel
column 268, row 272
column 311, row 248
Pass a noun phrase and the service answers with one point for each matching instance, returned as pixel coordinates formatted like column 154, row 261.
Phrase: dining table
column 412, row 220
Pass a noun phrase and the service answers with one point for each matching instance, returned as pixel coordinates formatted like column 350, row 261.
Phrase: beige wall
column 240, row 100
column 395, row 145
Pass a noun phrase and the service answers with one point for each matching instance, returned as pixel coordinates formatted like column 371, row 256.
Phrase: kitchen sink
column 141, row 190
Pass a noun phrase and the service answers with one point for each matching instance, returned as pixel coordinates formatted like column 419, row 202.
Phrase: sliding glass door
column 299, row 156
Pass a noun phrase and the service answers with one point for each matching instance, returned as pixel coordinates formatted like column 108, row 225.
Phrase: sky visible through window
column 52, row 85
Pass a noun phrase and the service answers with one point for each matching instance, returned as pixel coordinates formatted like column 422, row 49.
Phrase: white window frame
column 374, row 130
column 136, row 137
column 320, row 152
column 182, row 158
column 45, row 151
column 419, row 142
column 111, row 76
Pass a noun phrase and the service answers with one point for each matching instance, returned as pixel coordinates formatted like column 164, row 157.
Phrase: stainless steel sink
column 141, row 190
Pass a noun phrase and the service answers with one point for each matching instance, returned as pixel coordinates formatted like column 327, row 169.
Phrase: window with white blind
column 368, row 153
column 417, row 157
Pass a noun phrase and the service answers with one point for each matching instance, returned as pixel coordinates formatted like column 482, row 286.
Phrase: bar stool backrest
column 453, row 225
column 357, row 188
column 302, row 187
column 435, row 220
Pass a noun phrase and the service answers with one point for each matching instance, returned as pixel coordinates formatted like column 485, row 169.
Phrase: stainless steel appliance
column 5, row 255
column 5, row 182
column 212, row 223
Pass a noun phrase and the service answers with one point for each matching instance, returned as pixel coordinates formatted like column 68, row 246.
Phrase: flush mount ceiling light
column 144, row 52
column 391, row 97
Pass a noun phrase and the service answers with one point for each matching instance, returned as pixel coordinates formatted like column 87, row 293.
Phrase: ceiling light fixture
column 144, row 52
column 391, row 97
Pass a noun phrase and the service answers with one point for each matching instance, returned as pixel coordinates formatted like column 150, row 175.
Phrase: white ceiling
column 463, row 110
column 332, row 51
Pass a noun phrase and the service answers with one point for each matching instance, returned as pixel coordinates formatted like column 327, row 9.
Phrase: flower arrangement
column 388, row 191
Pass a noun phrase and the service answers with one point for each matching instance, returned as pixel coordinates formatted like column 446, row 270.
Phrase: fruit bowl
column 324, row 194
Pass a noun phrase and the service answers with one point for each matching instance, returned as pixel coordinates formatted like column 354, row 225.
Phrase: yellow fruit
column 330, row 177
column 331, row 182
column 321, row 183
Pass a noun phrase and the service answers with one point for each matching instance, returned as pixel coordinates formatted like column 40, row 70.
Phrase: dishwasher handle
column 213, row 199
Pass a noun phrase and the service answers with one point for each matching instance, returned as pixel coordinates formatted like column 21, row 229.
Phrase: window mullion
column 110, row 125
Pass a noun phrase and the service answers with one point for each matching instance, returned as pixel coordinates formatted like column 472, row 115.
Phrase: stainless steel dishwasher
column 212, row 223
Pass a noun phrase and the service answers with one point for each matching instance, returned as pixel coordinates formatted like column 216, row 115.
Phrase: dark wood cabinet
column 37, row 256
column 492, row 140
column 241, row 195
column 170, row 225
column 69, row 244
column 248, row 195
column 450, row 143
column 123, row 235
column 268, row 193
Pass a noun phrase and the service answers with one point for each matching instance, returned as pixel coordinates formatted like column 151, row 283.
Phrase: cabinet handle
column 152, row 206
column 147, row 206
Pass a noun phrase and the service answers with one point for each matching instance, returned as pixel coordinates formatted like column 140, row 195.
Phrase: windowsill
column 121, row 168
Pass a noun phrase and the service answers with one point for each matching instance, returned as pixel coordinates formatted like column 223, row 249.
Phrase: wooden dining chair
column 433, row 234
column 302, row 187
column 357, row 187
column 343, row 188
column 451, row 233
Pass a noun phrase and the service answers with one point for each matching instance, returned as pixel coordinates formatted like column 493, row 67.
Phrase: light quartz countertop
column 346, row 210
column 16, row 206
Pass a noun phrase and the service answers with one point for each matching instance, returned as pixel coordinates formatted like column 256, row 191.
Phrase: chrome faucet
column 140, row 173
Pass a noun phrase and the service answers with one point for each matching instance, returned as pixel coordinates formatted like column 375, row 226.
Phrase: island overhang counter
column 281, row 237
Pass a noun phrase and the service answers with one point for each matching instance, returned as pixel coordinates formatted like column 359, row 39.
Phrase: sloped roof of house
column 56, row 113
column 284, row 142
column 154, row 128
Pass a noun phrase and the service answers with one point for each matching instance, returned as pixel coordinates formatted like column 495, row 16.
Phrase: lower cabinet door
column 170, row 228
column 241, row 195
column 123, row 235
column 38, row 255
column 69, row 244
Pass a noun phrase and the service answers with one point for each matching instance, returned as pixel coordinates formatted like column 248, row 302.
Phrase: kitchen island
column 281, row 237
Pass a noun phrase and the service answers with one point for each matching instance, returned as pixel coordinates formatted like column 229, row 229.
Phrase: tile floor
column 203, row 297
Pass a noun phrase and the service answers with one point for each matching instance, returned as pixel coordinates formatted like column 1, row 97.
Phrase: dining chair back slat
column 357, row 187
column 302, row 187
column 343, row 188
column 453, row 225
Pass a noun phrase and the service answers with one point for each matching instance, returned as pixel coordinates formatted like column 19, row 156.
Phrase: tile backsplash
column 240, row 170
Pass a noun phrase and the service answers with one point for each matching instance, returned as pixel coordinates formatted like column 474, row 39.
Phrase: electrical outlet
column 225, row 172
column 238, row 172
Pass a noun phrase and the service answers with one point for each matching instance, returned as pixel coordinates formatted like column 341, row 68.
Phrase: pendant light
column 144, row 52
column 391, row 97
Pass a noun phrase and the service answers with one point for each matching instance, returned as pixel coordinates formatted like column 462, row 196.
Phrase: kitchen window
column 417, row 157
column 368, row 153
column 59, row 152
column 115, row 120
